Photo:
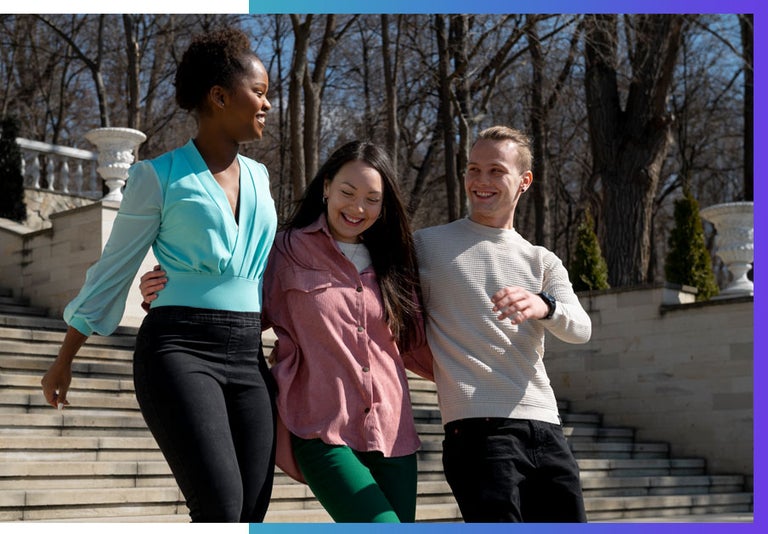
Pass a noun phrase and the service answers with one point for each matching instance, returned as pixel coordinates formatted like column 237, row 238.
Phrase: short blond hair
column 523, row 142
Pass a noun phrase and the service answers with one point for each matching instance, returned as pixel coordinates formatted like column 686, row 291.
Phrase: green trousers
column 358, row 487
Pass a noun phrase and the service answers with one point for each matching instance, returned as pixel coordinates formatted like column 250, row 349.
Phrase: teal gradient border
column 760, row 9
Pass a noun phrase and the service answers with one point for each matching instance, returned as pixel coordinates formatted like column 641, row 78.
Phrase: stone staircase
column 96, row 461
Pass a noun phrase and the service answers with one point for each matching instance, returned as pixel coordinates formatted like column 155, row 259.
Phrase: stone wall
column 681, row 374
column 48, row 266
column 42, row 204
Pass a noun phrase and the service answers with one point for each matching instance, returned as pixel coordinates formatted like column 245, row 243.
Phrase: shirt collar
column 320, row 225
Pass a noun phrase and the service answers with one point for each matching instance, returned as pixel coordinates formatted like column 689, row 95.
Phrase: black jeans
column 207, row 395
column 511, row 470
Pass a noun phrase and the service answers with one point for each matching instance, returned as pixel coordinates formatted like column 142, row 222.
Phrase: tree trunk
column 390, row 87
column 748, row 45
column 132, row 78
column 459, row 45
column 424, row 170
column 301, row 34
column 445, row 116
column 541, row 188
column 282, row 142
column 629, row 145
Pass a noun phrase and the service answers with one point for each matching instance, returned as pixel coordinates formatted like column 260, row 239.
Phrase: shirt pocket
column 305, row 280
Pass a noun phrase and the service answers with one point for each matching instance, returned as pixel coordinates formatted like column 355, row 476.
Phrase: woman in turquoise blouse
column 201, row 380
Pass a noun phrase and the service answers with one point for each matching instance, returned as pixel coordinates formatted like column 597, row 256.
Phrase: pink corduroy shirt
column 340, row 375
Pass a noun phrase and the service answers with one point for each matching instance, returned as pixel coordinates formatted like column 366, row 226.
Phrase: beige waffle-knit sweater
column 486, row 367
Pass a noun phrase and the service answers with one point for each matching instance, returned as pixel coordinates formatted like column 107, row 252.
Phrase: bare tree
column 630, row 135
column 423, row 85
column 541, row 109
column 70, row 34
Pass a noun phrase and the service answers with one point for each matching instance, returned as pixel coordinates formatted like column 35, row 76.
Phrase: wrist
column 551, row 303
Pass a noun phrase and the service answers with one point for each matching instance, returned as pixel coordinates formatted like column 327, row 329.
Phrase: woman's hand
column 151, row 283
column 59, row 376
column 56, row 383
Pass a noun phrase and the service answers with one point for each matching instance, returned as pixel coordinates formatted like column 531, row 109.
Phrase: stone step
column 34, row 402
column 661, row 485
column 608, row 508
column 72, row 424
column 641, row 467
column 581, row 419
column 96, row 461
column 441, row 512
column 7, row 298
column 31, row 383
column 588, row 433
column 425, row 414
column 159, row 519
column 281, row 517
column 42, row 354
column 13, row 307
column 18, row 320
column 618, row 450
column 422, row 397
column 707, row 516
column 88, row 504
column 74, row 475
column 57, row 336
column 81, row 367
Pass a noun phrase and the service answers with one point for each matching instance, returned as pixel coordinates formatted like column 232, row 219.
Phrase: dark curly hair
column 219, row 57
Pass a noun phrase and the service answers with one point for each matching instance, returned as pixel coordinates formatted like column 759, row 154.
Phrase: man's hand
column 518, row 305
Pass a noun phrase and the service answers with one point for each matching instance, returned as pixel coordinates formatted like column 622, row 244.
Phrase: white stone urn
column 734, row 243
column 116, row 147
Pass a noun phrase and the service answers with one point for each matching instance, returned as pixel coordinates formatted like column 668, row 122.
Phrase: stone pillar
column 734, row 242
column 116, row 147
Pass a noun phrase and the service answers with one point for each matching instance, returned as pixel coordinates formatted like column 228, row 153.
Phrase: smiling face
column 494, row 182
column 355, row 197
column 246, row 103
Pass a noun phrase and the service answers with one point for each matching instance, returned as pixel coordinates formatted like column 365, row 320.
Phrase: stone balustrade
column 60, row 168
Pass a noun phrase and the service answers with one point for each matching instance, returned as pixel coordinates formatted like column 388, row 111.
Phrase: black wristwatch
column 551, row 303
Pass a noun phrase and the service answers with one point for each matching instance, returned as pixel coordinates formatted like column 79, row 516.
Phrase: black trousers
column 510, row 470
column 207, row 396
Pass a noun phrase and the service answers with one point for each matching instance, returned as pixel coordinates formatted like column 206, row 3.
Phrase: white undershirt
column 357, row 253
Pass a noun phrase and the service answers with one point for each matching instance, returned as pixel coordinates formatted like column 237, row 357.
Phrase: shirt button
column 360, row 329
column 366, row 369
column 359, row 289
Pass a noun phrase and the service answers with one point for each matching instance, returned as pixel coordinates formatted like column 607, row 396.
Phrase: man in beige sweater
column 490, row 296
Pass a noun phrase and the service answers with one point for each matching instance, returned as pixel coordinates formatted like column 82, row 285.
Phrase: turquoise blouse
column 174, row 204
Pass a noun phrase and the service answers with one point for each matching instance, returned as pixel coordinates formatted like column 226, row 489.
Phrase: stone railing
column 59, row 168
column 75, row 171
